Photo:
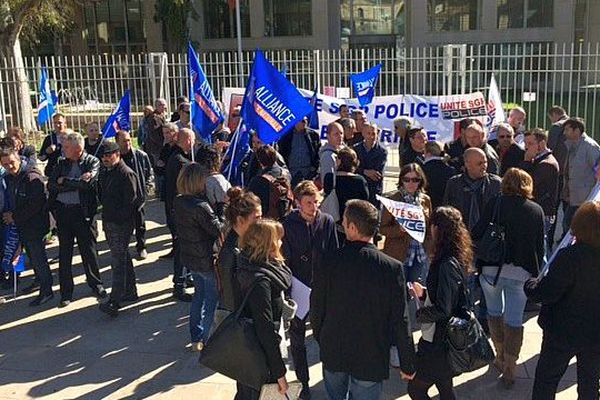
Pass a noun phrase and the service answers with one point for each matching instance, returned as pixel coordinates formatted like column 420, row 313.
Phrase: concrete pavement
column 77, row 352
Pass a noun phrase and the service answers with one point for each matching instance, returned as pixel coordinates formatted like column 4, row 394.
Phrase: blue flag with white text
column 313, row 118
column 272, row 105
column 46, row 107
column 206, row 114
column 364, row 84
column 119, row 119
column 236, row 153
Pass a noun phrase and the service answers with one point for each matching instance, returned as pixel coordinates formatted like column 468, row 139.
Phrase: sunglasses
column 504, row 136
column 185, row 111
column 413, row 180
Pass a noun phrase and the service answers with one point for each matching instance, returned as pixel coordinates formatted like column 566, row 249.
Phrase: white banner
column 439, row 115
column 408, row 216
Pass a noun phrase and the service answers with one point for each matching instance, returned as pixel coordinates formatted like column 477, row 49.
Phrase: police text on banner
column 409, row 216
column 364, row 84
column 206, row 114
column 272, row 105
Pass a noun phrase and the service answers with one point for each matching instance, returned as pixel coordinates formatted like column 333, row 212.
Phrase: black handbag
column 235, row 351
column 468, row 346
column 491, row 247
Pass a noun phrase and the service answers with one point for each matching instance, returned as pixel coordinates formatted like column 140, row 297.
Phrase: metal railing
column 535, row 76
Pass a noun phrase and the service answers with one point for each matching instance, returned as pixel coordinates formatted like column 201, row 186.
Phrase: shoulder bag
column 491, row 247
column 331, row 204
column 235, row 351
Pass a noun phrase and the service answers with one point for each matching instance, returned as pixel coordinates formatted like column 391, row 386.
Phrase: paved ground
column 79, row 353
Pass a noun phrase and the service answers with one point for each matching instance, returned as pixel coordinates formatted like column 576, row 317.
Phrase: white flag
column 494, row 107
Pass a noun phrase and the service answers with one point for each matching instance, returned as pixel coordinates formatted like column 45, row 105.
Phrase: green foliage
column 173, row 14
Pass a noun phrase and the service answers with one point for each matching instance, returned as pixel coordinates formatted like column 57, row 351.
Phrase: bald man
column 475, row 137
column 328, row 152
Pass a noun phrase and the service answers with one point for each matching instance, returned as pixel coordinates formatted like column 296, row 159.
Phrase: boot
column 513, row 339
column 496, row 325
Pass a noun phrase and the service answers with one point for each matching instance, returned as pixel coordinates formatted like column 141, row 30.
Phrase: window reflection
column 220, row 19
column 288, row 17
column 452, row 15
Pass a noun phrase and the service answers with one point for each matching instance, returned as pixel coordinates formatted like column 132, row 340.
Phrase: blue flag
column 313, row 118
column 235, row 155
column 364, row 84
column 119, row 119
column 272, row 105
column 12, row 250
column 206, row 114
column 46, row 107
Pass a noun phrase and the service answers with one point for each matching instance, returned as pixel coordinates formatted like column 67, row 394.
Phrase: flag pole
column 236, row 138
column 238, row 21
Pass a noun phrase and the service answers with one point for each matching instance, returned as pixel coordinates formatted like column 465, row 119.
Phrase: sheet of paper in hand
column 270, row 391
column 409, row 216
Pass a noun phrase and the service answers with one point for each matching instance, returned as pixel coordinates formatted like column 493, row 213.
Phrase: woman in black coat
column 198, row 229
column 261, row 270
column 570, row 309
column 502, row 286
column 445, row 297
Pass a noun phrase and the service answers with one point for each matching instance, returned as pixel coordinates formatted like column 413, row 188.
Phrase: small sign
column 529, row 96
column 343, row 93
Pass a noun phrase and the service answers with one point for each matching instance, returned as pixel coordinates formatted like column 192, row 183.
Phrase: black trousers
column 72, row 225
column 554, row 361
column 420, row 385
column 140, row 229
column 245, row 392
column 298, row 347
column 123, row 275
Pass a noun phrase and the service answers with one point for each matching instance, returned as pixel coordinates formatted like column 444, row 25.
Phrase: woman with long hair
column 444, row 298
column 502, row 285
column 412, row 184
column 198, row 229
column 570, row 309
column 263, row 275
column 242, row 210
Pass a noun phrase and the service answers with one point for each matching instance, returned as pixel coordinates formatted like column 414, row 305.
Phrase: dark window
column 452, row 15
column 288, row 17
column 220, row 19
column 525, row 14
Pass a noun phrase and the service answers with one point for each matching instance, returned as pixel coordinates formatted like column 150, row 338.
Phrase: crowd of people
column 372, row 284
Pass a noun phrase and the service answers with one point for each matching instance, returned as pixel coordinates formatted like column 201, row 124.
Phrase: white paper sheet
column 301, row 295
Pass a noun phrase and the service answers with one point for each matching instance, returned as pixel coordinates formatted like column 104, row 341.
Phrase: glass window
column 219, row 19
column 525, row 14
column 452, row 15
column 288, row 17
column 368, row 17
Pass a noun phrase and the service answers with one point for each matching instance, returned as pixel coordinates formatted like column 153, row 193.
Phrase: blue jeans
column 342, row 386
column 203, row 306
column 506, row 299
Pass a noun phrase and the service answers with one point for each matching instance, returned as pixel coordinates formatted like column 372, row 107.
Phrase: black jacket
column 524, row 223
column 88, row 191
column 94, row 149
column 313, row 141
column 511, row 159
column 556, row 142
column 261, row 187
column 52, row 158
column 569, row 297
column 358, row 310
column 492, row 159
column 411, row 156
column 438, row 173
column 459, row 196
column 177, row 161
column 455, row 151
column 198, row 229
column 139, row 162
column 227, row 269
column 306, row 255
column 118, row 194
column 545, row 173
column 27, row 196
column 265, row 306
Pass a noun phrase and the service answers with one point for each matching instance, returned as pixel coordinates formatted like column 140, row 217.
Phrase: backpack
column 281, row 197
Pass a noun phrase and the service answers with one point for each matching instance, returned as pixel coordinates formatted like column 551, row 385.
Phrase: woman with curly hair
column 444, row 298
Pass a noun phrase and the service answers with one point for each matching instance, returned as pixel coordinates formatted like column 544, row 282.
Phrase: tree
column 29, row 17
column 174, row 15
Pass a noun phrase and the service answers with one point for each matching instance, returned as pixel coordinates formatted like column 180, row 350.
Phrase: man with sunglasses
column 185, row 121
column 509, row 152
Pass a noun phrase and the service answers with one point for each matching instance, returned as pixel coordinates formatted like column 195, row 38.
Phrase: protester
column 414, row 152
column 271, row 185
column 242, row 210
column 51, row 148
column 170, row 138
column 360, row 119
column 509, row 152
column 184, row 120
column 25, row 151
column 456, row 148
column 216, row 184
column 263, row 275
column 300, row 150
column 523, row 221
column 328, row 152
column 583, row 158
column 349, row 127
column 176, row 115
column 180, row 157
column 358, row 310
column 73, row 197
column 93, row 139
column 318, row 234
column 412, row 184
column 118, row 196
column 516, row 119
column 540, row 163
column 570, row 309
column 344, row 111
column 250, row 165
column 444, row 299
column 475, row 137
column 25, row 206
column 437, row 171
column 154, row 139
column 401, row 127
column 372, row 158
column 139, row 162
column 198, row 229
column 145, row 126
